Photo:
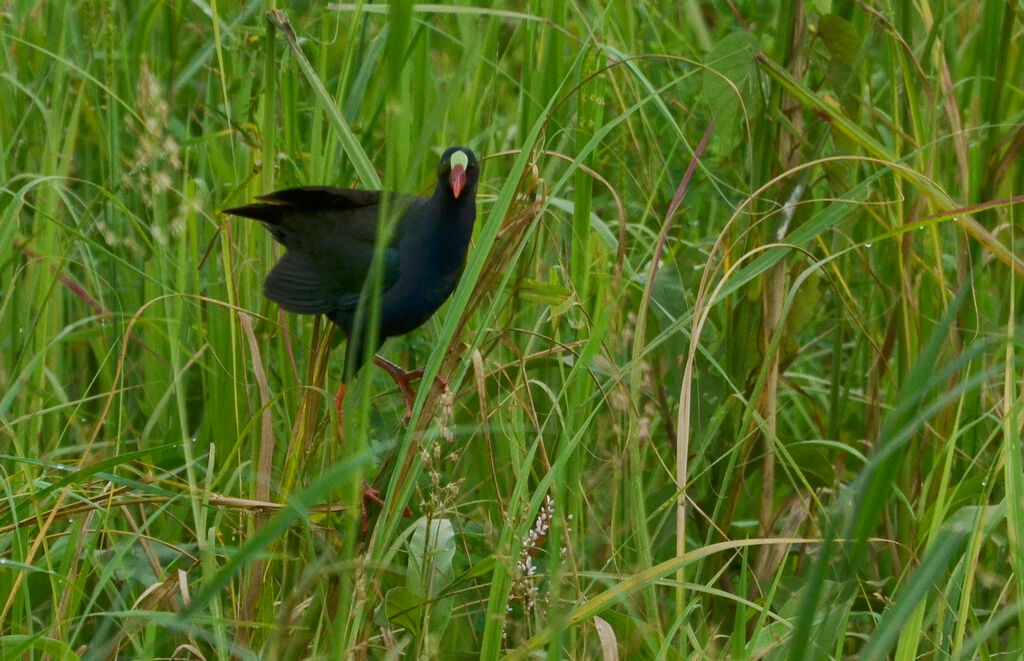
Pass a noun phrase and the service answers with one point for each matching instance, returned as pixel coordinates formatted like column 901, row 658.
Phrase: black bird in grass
column 329, row 234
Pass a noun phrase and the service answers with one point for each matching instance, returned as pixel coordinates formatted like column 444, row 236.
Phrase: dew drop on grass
column 868, row 245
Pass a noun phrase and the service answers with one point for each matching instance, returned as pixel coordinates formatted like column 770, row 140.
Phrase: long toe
column 402, row 378
column 408, row 394
column 371, row 494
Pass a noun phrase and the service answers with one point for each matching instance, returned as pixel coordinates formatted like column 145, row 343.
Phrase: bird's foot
column 403, row 378
column 372, row 495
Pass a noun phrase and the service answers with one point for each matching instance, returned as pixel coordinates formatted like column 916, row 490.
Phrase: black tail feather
column 266, row 213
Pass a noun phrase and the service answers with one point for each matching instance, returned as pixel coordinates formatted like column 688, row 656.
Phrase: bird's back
column 329, row 234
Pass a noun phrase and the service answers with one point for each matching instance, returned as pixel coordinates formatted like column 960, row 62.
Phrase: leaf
column 404, row 609
column 609, row 644
column 728, row 84
column 840, row 38
column 17, row 645
column 805, row 309
column 430, row 557
column 548, row 293
column 431, row 551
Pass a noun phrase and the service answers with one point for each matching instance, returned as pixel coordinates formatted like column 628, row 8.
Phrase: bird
column 329, row 236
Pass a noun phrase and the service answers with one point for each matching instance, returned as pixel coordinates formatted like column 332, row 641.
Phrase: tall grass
column 733, row 370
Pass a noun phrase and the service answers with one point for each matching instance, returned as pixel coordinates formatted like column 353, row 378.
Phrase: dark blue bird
column 329, row 234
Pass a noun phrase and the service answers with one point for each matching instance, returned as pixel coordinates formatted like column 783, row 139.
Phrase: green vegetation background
column 733, row 371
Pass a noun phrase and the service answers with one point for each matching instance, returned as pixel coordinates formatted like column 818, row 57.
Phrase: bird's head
column 459, row 168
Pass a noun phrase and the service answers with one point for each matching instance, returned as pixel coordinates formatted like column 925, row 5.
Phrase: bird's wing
column 316, row 283
column 330, row 235
column 288, row 213
column 351, row 212
column 297, row 286
column 314, row 198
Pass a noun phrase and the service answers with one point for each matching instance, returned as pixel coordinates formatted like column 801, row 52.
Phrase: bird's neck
column 454, row 226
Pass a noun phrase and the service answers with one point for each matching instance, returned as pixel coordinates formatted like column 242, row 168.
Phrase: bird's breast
column 431, row 257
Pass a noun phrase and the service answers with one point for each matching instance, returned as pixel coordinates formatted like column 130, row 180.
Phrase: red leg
column 369, row 495
column 372, row 495
column 402, row 379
